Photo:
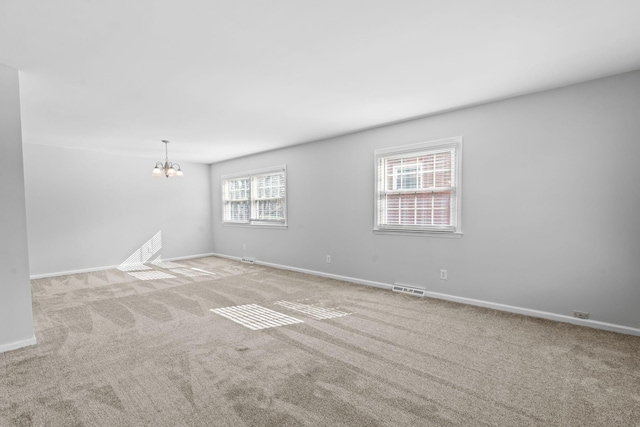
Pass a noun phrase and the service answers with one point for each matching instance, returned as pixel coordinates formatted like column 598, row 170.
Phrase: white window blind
column 237, row 193
column 256, row 197
column 418, row 187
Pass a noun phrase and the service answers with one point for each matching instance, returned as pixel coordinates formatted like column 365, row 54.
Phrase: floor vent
column 248, row 260
column 407, row 290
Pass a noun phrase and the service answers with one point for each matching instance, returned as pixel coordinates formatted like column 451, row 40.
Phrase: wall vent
column 397, row 287
column 248, row 260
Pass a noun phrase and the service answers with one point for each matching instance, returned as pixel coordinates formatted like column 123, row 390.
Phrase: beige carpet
column 115, row 350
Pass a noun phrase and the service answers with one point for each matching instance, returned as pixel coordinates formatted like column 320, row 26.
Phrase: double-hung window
column 255, row 197
column 418, row 188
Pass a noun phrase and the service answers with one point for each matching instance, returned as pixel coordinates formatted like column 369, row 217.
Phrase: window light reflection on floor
column 255, row 317
column 143, row 254
column 150, row 275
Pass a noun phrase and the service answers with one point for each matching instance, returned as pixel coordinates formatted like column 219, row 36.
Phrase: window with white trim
column 418, row 188
column 255, row 197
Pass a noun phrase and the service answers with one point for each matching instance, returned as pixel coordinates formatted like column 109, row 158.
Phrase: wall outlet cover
column 581, row 314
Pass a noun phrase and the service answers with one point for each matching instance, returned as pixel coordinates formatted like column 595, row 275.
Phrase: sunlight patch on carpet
column 255, row 317
column 319, row 313
column 143, row 254
column 150, row 275
column 191, row 272
column 134, row 267
column 166, row 264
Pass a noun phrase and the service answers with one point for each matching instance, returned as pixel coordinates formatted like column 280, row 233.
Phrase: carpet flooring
column 211, row 342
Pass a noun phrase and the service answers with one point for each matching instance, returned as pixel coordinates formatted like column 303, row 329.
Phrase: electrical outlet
column 443, row 274
column 329, row 259
column 581, row 314
column 244, row 246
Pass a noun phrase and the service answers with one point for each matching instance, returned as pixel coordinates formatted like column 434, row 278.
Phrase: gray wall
column 16, row 324
column 88, row 210
column 550, row 205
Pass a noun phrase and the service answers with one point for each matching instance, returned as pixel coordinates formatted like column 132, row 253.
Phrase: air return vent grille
column 397, row 287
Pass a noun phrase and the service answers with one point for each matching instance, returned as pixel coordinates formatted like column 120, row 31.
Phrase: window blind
column 254, row 198
column 418, row 187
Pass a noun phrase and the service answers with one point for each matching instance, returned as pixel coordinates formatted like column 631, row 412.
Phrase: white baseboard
column 537, row 313
column 480, row 303
column 70, row 272
column 313, row 272
column 17, row 344
column 110, row 267
column 179, row 258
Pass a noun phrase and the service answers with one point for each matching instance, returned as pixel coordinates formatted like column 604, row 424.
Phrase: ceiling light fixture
column 168, row 168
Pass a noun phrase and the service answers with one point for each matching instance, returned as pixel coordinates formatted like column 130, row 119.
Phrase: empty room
column 337, row 213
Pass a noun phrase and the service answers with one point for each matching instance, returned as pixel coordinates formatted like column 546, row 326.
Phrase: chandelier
column 168, row 168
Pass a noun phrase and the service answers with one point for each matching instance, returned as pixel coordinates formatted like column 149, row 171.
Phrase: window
column 418, row 188
column 255, row 197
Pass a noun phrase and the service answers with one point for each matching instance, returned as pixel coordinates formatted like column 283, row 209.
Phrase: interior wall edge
column 16, row 312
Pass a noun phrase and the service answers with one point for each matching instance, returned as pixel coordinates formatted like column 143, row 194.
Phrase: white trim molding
column 17, row 344
column 313, row 272
column 110, row 267
column 612, row 327
column 537, row 313
column 453, row 298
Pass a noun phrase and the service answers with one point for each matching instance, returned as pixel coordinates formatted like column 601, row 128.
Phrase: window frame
column 452, row 144
column 252, row 200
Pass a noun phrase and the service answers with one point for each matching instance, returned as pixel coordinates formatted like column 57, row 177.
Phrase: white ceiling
column 223, row 79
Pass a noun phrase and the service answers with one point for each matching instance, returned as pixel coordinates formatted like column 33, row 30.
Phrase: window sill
column 247, row 225
column 419, row 233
